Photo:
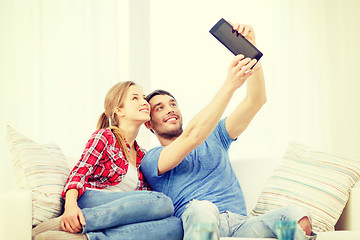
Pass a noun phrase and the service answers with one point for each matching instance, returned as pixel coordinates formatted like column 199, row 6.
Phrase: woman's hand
column 73, row 219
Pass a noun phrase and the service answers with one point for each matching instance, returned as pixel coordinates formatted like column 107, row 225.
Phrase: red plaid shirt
column 103, row 164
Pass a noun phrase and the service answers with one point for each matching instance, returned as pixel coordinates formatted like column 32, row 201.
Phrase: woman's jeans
column 129, row 215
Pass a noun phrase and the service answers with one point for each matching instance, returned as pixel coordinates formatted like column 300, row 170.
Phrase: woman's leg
column 103, row 210
column 169, row 228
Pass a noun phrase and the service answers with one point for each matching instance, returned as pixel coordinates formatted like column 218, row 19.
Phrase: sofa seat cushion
column 230, row 238
column 330, row 235
column 336, row 235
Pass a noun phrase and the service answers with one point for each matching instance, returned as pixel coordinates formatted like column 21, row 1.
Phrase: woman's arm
column 72, row 219
column 90, row 159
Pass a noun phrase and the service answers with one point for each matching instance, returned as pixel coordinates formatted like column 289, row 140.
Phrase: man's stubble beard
column 170, row 135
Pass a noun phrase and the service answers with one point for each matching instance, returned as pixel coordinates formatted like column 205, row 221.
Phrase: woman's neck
column 130, row 133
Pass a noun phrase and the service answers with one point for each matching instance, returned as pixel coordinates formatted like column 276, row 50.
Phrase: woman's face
column 135, row 106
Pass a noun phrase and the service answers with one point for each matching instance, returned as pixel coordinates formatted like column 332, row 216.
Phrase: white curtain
column 316, row 73
column 57, row 61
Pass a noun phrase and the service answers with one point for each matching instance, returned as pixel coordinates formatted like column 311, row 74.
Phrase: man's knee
column 200, row 206
column 199, row 212
column 202, row 211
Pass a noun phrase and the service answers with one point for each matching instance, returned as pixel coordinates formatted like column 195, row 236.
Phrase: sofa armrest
column 15, row 214
column 350, row 218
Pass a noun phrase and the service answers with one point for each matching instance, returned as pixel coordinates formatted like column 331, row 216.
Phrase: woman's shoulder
column 138, row 148
column 103, row 134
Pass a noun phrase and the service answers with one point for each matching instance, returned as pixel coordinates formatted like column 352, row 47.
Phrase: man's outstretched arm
column 255, row 97
column 201, row 126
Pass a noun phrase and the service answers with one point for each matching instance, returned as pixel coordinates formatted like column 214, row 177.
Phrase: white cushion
column 319, row 181
column 41, row 168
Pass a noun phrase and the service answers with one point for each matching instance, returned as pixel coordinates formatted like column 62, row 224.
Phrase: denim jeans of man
column 129, row 215
column 235, row 225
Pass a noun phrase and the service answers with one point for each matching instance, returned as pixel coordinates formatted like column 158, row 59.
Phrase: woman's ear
column 119, row 112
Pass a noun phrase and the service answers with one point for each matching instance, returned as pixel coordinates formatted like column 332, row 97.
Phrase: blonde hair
column 115, row 99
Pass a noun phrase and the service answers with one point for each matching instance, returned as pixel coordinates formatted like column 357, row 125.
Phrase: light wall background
column 59, row 58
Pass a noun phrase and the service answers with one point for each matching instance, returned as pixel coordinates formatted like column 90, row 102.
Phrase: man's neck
column 165, row 141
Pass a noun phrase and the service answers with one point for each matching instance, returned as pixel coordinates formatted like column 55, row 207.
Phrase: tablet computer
column 234, row 41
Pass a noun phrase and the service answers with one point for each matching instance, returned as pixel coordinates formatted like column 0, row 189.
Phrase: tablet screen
column 234, row 41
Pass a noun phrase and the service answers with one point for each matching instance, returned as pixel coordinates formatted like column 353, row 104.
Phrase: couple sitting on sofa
column 190, row 173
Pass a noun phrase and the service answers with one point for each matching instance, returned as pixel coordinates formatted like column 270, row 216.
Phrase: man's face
column 166, row 120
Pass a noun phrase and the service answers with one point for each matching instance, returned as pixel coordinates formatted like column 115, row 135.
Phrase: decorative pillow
column 41, row 168
column 316, row 180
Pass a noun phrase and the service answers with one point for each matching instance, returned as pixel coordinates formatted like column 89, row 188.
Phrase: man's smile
column 172, row 118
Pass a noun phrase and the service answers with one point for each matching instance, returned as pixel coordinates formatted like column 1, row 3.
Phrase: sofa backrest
column 252, row 175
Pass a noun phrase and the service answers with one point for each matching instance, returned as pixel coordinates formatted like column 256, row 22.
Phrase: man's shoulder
column 154, row 149
column 153, row 153
column 149, row 166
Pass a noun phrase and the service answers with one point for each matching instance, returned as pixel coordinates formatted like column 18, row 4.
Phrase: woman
column 100, row 197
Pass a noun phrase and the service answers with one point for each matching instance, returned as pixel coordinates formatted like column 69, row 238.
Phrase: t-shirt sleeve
column 149, row 166
column 222, row 134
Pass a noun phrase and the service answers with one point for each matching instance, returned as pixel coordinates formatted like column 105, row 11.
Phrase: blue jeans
column 129, row 215
column 235, row 225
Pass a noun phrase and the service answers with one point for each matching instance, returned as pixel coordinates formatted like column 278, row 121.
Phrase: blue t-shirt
column 204, row 174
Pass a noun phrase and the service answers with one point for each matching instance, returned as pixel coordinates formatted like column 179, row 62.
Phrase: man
column 192, row 166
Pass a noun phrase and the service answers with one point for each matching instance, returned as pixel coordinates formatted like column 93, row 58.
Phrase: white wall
column 188, row 61
column 310, row 63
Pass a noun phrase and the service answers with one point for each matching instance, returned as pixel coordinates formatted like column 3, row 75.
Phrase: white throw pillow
column 318, row 181
column 43, row 169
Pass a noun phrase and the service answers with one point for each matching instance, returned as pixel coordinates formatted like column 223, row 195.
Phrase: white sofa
column 253, row 174
column 15, row 205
